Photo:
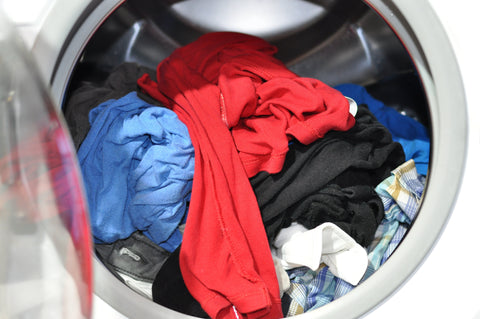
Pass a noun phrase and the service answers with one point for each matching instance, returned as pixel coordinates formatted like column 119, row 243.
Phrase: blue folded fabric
column 137, row 163
column 411, row 134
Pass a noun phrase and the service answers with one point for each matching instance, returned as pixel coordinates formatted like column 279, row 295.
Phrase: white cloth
column 282, row 276
column 297, row 246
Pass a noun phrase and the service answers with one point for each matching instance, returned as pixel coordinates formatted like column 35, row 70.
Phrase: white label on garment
column 353, row 106
column 128, row 252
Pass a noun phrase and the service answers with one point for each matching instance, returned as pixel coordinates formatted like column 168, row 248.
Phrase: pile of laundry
column 224, row 185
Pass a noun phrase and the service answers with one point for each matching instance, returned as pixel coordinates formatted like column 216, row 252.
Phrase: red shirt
column 241, row 107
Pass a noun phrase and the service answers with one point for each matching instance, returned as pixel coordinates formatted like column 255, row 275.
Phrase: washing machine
column 419, row 54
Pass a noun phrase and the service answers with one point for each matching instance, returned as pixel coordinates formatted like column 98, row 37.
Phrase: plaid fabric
column 400, row 194
column 310, row 289
column 397, row 238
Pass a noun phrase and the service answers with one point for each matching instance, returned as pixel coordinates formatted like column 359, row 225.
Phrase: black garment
column 362, row 157
column 136, row 256
column 169, row 289
column 357, row 210
column 119, row 83
column 286, row 301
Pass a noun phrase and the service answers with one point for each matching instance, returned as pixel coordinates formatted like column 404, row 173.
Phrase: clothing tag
column 131, row 254
column 353, row 106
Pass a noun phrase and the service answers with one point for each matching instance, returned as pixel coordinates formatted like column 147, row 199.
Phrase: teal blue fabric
column 137, row 163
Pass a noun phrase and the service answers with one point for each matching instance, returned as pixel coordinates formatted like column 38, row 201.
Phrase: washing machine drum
column 383, row 53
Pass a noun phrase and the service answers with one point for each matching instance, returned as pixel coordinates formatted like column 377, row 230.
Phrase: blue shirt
column 137, row 163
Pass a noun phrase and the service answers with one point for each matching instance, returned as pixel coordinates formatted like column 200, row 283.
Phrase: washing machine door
column 45, row 268
column 423, row 37
column 445, row 285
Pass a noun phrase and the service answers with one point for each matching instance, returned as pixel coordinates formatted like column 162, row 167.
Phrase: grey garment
column 89, row 95
column 135, row 260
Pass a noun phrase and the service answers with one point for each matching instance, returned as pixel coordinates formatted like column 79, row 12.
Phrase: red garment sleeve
column 225, row 258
